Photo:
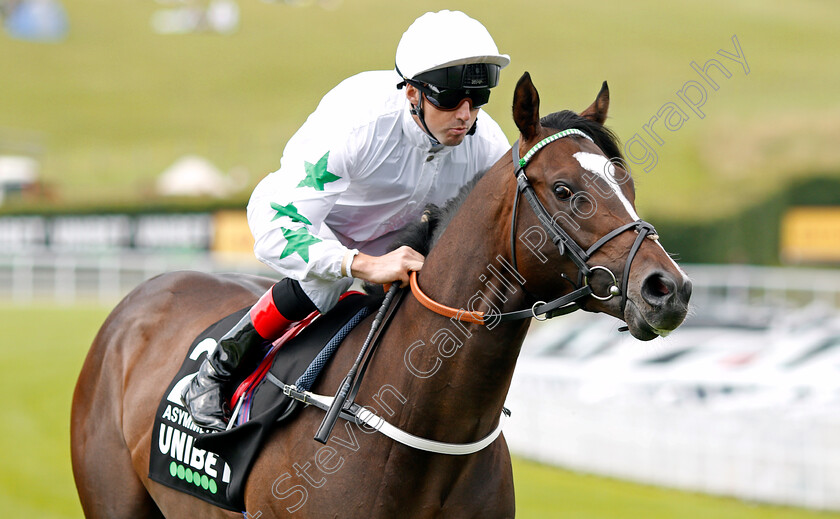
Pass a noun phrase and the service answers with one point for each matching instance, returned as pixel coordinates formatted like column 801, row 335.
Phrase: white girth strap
column 366, row 416
column 379, row 424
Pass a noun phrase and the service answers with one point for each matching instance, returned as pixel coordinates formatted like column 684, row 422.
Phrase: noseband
column 565, row 244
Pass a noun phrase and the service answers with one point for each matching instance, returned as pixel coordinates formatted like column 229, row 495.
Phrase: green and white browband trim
column 538, row 146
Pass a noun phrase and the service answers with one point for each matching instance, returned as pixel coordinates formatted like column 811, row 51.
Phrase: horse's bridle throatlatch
column 565, row 244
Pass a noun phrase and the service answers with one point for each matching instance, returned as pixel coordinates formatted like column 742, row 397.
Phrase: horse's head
column 589, row 231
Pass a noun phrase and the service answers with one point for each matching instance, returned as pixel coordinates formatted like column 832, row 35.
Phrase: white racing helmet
column 449, row 50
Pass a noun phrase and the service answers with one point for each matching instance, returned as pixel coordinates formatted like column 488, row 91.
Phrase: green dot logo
column 205, row 482
column 197, row 479
column 213, row 487
column 189, row 475
column 180, row 472
column 173, row 469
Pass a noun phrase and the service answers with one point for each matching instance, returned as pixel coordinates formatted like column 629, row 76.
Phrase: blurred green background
column 114, row 104
column 106, row 110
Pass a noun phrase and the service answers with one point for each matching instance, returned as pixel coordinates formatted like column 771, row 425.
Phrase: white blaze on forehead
column 601, row 166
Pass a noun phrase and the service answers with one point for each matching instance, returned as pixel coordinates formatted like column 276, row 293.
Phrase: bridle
column 566, row 245
column 560, row 306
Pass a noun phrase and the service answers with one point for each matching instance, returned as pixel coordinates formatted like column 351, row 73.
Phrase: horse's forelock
column 603, row 136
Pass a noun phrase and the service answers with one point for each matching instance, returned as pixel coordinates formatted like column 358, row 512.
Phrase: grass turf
column 42, row 348
column 112, row 106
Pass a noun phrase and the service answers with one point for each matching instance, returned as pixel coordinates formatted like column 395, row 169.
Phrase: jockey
column 362, row 166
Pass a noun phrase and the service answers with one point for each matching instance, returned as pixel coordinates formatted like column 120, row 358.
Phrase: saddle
column 214, row 466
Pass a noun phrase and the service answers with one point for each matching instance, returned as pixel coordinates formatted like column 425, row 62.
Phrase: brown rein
column 446, row 311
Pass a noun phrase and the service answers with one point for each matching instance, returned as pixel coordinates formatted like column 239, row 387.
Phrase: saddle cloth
column 214, row 466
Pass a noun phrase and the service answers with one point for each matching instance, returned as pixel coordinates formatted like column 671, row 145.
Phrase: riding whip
column 331, row 417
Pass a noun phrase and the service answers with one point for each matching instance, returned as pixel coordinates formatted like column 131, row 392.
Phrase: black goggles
column 450, row 99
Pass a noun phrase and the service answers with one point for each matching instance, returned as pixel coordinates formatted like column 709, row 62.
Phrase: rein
column 559, row 306
column 566, row 245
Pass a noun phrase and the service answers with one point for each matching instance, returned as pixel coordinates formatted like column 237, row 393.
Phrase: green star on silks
column 317, row 174
column 298, row 241
column 290, row 211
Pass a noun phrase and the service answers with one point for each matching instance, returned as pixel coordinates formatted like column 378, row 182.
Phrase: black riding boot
column 205, row 396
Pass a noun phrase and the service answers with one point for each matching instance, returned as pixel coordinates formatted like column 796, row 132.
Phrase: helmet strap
column 472, row 130
column 418, row 111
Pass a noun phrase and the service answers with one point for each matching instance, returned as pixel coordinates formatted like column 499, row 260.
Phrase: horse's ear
column 597, row 111
column 526, row 107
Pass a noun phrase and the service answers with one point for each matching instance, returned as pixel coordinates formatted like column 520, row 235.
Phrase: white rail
column 71, row 278
column 741, row 285
column 780, row 454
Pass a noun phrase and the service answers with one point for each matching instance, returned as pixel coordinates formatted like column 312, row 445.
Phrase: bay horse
column 433, row 375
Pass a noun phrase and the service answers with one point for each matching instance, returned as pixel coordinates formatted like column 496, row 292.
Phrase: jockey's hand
column 394, row 266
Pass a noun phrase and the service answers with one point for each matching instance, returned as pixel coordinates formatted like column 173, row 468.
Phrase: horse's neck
column 461, row 372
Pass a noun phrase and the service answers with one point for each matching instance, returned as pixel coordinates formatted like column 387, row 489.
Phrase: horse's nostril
column 657, row 288
column 685, row 291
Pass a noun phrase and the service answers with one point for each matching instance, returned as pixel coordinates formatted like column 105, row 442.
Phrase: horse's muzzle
column 661, row 305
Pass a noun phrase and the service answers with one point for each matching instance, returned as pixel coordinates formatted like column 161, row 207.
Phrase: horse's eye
column 562, row 191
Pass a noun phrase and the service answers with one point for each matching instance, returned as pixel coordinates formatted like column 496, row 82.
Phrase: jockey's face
column 450, row 127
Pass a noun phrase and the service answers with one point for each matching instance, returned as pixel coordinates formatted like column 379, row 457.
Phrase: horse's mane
column 422, row 235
